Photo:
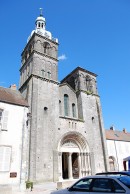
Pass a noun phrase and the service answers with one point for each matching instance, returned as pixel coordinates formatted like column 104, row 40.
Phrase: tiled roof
column 11, row 96
column 117, row 135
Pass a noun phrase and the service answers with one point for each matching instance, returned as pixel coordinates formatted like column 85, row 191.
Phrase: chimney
column 112, row 128
column 124, row 130
column 13, row 87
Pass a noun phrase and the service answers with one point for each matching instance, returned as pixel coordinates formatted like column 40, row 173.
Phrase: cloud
column 62, row 57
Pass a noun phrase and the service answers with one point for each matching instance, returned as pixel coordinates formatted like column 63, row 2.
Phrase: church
column 67, row 136
column 57, row 133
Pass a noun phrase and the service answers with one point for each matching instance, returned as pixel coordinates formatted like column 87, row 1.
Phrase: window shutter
column 5, row 120
column 5, row 156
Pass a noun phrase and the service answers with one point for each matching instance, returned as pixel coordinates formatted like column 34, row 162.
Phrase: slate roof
column 117, row 135
column 8, row 95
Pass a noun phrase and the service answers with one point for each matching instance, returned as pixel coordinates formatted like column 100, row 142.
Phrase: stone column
column 85, row 164
column 60, row 165
column 70, row 165
column 82, row 165
column 79, row 163
column 89, row 167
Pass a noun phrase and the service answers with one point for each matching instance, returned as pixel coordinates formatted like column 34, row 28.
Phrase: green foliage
column 89, row 92
column 29, row 184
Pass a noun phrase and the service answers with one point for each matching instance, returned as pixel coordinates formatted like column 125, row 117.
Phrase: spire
column 41, row 11
column 40, row 21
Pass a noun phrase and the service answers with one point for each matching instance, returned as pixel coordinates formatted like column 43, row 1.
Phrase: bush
column 29, row 184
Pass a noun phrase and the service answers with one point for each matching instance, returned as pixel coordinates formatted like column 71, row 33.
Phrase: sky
column 92, row 34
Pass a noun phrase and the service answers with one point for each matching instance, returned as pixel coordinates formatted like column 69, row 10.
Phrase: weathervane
column 41, row 11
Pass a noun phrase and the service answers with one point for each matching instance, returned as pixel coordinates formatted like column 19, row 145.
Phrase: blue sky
column 92, row 34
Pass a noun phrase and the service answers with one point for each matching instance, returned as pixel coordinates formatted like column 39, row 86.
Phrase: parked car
column 99, row 185
column 114, row 173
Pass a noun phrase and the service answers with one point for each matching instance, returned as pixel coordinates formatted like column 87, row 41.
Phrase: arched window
column 48, row 75
column 88, row 80
column 26, row 55
column 73, row 110
column 93, row 120
column 43, row 72
column 112, row 163
column 30, row 50
column 66, row 105
column 47, row 48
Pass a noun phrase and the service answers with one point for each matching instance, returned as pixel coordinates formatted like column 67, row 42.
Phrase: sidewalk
column 43, row 188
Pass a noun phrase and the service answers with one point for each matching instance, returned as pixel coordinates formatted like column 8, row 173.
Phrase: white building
column 118, row 146
column 13, row 138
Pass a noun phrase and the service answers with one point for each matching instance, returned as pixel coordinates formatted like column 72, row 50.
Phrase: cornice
column 38, row 77
column 70, row 118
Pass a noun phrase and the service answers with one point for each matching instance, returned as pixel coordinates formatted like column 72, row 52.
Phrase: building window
column 5, row 156
column 88, row 83
column 26, row 55
column 112, row 163
column 3, row 119
column 66, row 105
column 30, row 50
column 43, row 72
column 93, row 120
column 73, row 110
column 48, row 75
column 47, row 48
column 1, row 113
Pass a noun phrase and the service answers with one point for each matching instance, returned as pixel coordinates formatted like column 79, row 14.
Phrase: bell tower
column 39, row 85
column 39, row 57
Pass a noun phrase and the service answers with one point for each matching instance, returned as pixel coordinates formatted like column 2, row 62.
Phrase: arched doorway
column 65, row 166
column 74, row 157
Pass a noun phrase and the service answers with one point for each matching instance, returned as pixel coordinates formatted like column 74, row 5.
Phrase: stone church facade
column 67, row 136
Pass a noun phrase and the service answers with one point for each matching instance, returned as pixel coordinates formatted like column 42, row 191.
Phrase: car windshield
column 125, row 180
column 82, row 185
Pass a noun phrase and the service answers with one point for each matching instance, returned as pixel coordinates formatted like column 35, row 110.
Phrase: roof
column 78, row 69
column 117, row 135
column 8, row 95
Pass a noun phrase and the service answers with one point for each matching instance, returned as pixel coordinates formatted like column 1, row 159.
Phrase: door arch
column 74, row 157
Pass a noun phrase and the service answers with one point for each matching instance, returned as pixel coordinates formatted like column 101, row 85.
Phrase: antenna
column 41, row 11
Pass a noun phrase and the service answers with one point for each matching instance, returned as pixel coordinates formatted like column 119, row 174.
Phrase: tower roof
column 77, row 69
column 40, row 27
column 40, row 18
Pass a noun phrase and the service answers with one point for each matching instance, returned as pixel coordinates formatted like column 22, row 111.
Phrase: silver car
column 99, row 185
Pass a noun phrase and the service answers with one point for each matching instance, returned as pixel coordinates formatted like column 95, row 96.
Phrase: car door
column 106, row 186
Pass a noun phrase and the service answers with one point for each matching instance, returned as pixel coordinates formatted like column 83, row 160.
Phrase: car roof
column 115, row 173
column 101, row 176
